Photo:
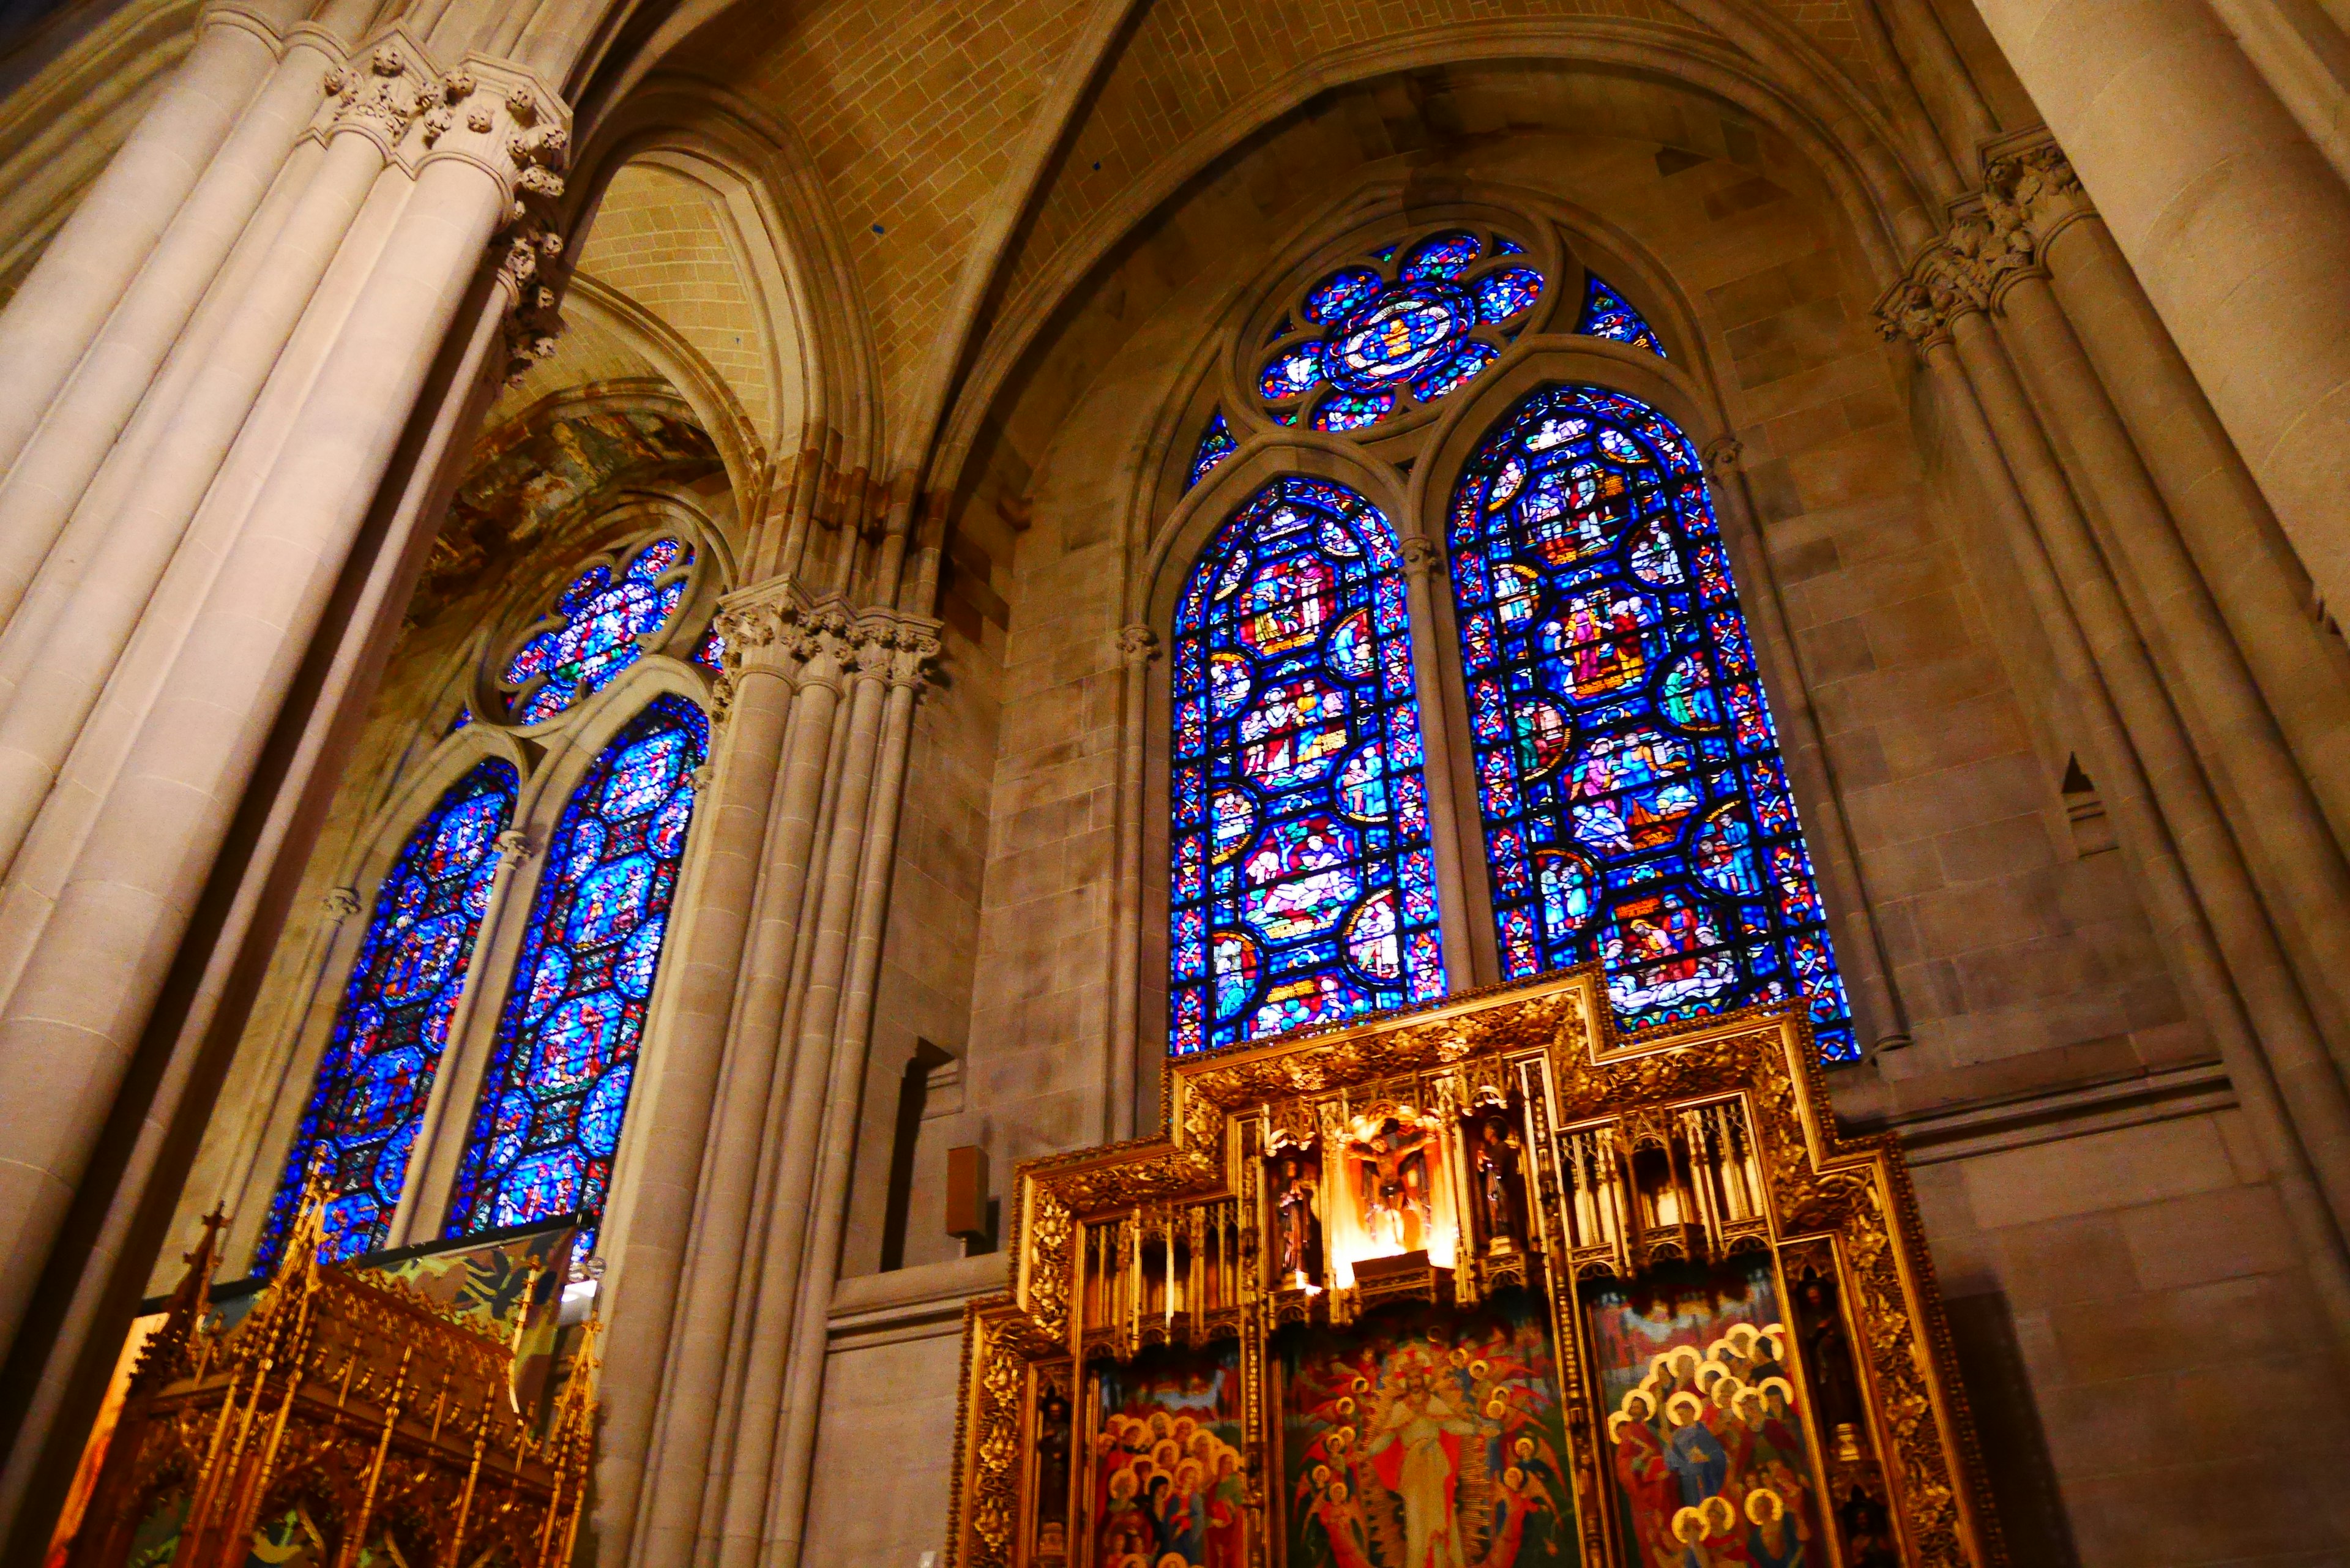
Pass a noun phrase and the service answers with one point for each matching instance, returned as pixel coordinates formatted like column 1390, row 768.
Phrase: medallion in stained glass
column 1607, row 314
column 1303, row 887
column 367, row 1102
column 547, row 1124
column 597, row 627
column 1629, row 774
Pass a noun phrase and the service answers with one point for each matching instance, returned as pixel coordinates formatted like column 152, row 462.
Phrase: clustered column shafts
column 1422, row 559
column 831, row 692
column 2188, row 726
column 211, row 374
column 1138, row 645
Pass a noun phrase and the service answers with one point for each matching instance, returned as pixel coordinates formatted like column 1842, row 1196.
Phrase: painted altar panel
column 1165, row 1476
column 1705, row 1429
column 1425, row 1437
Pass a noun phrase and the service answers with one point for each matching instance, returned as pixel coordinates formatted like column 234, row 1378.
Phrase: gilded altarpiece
column 1479, row 1286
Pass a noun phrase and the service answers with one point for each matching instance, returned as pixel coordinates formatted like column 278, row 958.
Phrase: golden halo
column 1479, row 1368
column 1786, row 1389
column 1345, row 1405
column 1321, row 1475
column 1673, row 1408
column 1710, row 1370
column 1525, row 1447
column 1689, row 1527
column 1728, row 1512
column 1763, row 1505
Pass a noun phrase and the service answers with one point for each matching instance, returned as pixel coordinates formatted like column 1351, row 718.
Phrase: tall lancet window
column 1635, row 805
column 369, row 1099
column 1303, row 888
column 547, row 1124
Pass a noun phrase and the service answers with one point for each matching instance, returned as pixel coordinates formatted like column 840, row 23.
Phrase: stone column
column 48, row 475
column 1421, row 559
column 97, row 953
column 2296, row 1115
column 2273, row 816
column 1138, row 645
column 688, row 1292
column 84, row 270
column 2244, row 561
column 2235, row 223
column 745, row 1519
column 2216, row 930
column 914, row 646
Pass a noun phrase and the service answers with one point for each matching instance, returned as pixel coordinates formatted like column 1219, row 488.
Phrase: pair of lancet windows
column 545, row 1126
column 1632, row 803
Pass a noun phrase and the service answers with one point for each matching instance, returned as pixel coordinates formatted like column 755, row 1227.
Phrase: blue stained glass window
column 369, row 1098
column 597, row 629
column 547, row 1124
column 1389, row 337
column 1304, row 889
column 1635, row 805
column 1216, row 443
column 1607, row 314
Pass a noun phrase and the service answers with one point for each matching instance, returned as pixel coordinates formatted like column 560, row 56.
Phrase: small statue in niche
column 1500, row 1187
column 1298, row 1234
column 1397, row 1205
column 1053, row 1439
column 1828, row 1359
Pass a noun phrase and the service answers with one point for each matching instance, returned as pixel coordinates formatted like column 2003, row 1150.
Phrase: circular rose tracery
column 1397, row 330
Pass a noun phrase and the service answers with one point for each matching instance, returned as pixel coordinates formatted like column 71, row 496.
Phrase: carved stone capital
column 513, row 845
column 339, row 903
column 1938, row 289
column 1723, row 454
column 1138, row 645
column 1420, row 556
column 2028, row 183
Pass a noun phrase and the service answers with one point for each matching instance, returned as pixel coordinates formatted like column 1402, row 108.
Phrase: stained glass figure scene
column 1404, row 328
column 547, row 1124
column 1303, row 890
column 711, row 651
column 1636, row 808
column 1607, row 314
column 597, row 627
column 369, row 1099
column 1216, row 443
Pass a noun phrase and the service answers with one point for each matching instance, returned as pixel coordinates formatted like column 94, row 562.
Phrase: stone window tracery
column 609, row 615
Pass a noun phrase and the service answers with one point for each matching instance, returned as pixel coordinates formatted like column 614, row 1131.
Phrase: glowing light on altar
column 1394, row 1192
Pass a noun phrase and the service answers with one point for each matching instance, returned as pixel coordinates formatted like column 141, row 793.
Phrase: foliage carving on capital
column 2032, row 186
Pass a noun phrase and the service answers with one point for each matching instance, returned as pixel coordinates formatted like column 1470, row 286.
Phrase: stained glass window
column 1636, row 808
column 548, row 1120
column 1402, row 328
column 1216, row 443
column 711, row 651
column 369, row 1099
column 1607, row 314
column 1303, row 890
column 597, row 627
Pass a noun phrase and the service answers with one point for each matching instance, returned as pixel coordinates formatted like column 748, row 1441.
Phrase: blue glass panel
column 1456, row 372
column 1352, row 411
column 1216, row 443
column 1607, row 314
column 1628, row 769
column 1291, row 371
column 1445, row 256
column 599, row 630
column 1339, row 294
column 711, row 651
column 1510, row 292
column 1303, row 888
column 1396, row 337
column 367, row 1101
column 548, row 1120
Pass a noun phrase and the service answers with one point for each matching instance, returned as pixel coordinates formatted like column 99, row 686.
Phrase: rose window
column 1401, row 329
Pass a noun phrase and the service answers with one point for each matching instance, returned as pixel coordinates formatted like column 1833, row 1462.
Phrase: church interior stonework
column 910, row 783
